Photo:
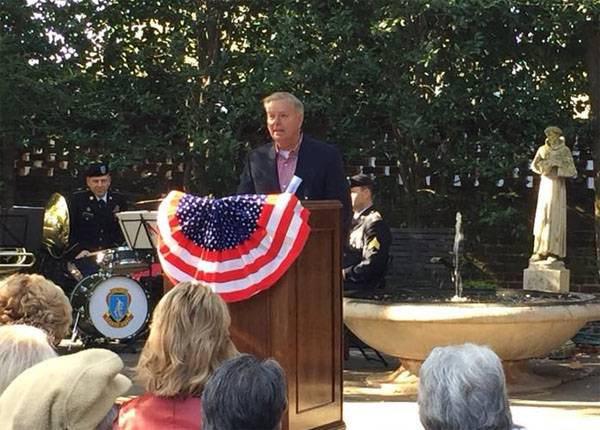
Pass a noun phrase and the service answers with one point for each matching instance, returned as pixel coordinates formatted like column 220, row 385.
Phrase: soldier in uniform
column 366, row 257
column 94, row 225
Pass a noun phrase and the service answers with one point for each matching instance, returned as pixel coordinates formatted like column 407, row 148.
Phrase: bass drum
column 110, row 307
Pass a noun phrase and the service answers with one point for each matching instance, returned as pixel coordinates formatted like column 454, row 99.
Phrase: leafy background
column 437, row 87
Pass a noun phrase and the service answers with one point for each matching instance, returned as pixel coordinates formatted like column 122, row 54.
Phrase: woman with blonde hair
column 21, row 346
column 34, row 300
column 189, row 338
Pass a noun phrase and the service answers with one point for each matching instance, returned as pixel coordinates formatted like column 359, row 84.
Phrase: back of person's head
column 34, row 300
column 244, row 393
column 188, row 340
column 73, row 392
column 21, row 346
column 462, row 387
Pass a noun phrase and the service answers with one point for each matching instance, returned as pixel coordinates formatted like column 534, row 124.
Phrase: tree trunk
column 592, row 61
column 207, row 54
column 8, row 152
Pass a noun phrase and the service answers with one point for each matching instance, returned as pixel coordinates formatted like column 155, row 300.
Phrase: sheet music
column 139, row 228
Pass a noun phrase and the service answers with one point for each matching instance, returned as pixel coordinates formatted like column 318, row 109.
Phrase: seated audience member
column 74, row 392
column 244, row 393
column 21, row 346
column 34, row 300
column 462, row 387
column 188, row 340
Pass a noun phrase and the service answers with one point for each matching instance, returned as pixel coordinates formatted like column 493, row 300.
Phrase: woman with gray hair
column 21, row 346
column 462, row 387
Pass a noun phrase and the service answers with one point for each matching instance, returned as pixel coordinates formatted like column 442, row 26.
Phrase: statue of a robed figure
column 554, row 163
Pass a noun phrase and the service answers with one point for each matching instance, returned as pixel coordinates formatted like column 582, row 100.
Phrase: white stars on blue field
column 219, row 224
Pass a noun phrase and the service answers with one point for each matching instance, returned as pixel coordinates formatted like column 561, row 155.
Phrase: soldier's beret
column 97, row 169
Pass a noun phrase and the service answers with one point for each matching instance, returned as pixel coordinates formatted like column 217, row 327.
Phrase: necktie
column 101, row 204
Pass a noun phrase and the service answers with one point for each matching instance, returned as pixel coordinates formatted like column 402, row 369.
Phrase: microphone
column 293, row 185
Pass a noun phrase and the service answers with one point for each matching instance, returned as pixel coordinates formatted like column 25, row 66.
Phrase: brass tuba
column 55, row 235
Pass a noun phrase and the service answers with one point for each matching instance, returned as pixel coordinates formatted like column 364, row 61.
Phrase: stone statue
column 554, row 162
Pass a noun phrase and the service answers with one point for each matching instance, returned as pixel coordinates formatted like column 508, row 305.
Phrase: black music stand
column 140, row 231
column 21, row 227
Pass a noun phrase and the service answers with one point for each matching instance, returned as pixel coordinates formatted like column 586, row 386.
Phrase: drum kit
column 110, row 300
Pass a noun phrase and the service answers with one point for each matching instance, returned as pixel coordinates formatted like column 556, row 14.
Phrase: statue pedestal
column 551, row 278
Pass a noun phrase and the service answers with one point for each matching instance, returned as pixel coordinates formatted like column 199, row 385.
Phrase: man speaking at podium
column 92, row 213
column 270, row 168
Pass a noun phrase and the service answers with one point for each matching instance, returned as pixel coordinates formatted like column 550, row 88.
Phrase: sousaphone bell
column 55, row 235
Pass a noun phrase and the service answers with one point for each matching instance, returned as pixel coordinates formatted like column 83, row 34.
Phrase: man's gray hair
column 462, row 387
column 244, row 393
column 282, row 95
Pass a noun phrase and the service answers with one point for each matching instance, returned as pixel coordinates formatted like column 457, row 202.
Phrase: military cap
column 97, row 169
column 361, row 180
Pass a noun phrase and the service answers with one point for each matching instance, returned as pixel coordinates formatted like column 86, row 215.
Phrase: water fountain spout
column 457, row 251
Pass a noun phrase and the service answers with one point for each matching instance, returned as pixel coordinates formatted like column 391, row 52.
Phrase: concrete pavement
column 573, row 405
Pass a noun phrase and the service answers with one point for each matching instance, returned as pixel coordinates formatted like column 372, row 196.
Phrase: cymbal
column 55, row 236
column 143, row 202
column 148, row 204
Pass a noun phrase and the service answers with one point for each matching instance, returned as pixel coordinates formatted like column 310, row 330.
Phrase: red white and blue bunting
column 238, row 245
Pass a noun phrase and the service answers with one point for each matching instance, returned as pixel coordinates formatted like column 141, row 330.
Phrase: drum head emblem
column 118, row 301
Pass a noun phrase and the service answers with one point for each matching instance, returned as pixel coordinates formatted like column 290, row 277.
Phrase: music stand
column 139, row 229
column 141, row 234
column 21, row 227
column 20, row 231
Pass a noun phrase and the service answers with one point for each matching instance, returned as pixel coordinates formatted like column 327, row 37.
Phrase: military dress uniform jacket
column 366, row 258
column 93, row 225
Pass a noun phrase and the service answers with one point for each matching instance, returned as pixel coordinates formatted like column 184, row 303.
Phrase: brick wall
column 502, row 264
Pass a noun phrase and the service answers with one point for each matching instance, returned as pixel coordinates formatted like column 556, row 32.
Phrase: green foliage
column 437, row 88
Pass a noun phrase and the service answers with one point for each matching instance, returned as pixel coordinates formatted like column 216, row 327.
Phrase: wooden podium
column 298, row 322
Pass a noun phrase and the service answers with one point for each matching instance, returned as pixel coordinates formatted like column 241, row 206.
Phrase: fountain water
column 457, row 250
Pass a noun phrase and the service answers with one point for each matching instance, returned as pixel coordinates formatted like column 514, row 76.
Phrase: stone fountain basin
column 410, row 331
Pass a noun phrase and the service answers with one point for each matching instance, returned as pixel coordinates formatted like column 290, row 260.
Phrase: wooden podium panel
column 298, row 322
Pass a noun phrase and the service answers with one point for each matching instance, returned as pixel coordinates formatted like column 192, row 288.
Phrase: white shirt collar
column 286, row 153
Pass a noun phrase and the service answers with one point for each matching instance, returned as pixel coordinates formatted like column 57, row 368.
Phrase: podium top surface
column 321, row 204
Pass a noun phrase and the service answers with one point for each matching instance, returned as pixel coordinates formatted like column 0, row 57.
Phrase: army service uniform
column 93, row 224
column 366, row 258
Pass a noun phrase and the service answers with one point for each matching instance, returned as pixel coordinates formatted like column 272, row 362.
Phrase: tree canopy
column 438, row 87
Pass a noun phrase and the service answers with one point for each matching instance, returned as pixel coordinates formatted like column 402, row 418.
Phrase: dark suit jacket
column 319, row 166
column 91, row 226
